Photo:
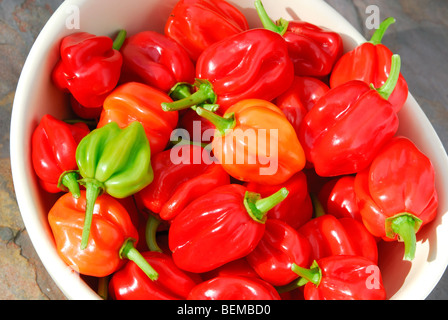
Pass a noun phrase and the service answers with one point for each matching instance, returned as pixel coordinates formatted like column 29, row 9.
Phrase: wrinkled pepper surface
column 297, row 208
column 53, row 154
column 229, row 218
column 312, row 49
column 396, row 193
column 135, row 101
column 233, row 288
column 348, row 125
column 181, row 174
column 114, row 161
column 371, row 62
column 300, row 97
column 89, row 67
column 338, row 198
column 329, row 236
column 258, row 68
column 131, row 283
column 342, row 278
column 111, row 241
column 197, row 24
column 280, row 247
column 255, row 142
column 156, row 60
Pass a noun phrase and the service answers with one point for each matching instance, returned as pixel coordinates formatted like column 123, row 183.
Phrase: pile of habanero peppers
column 297, row 214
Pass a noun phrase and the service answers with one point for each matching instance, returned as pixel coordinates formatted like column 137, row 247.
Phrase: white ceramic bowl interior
column 36, row 96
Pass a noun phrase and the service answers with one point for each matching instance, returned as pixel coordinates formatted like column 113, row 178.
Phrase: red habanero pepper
column 131, row 283
column 330, row 236
column 233, row 288
column 313, row 50
column 254, row 142
column 156, row 60
column 84, row 112
column 396, row 193
column 278, row 249
column 342, row 278
column 89, row 67
column 338, row 198
column 239, row 267
column 197, row 24
column 53, row 150
column 297, row 208
column 370, row 62
column 112, row 236
column 348, row 125
column 223, row 225
column 135, row 101
column 257, row 68
column 181, row 174
column 198, row 128
column 300, row 97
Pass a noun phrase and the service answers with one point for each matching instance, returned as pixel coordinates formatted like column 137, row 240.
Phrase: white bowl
column 36, row 96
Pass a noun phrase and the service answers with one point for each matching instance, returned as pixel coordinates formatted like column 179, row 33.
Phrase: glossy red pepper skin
column 234, row 288
column 280, row 247
column 346, row 278
column 343, row 132
column 84, row 112
column 131, row 283
column 258, row 68
column 370, row 62
column 297, row 208
column 198, row 128
column 89, row 68
column 239, row 267
column 338, row 198
column 313, row 50
column 181, row 175
column 329, row 236
column 134, row 101
column 53, row 149
column 300, row 97
column 156, row 60
column 197, row 24
column 222, row 218
column 399, row 184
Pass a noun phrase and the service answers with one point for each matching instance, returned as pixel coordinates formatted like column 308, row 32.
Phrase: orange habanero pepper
column 255, row 142
column 134, row 101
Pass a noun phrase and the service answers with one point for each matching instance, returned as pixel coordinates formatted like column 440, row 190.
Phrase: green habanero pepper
column 115, row 161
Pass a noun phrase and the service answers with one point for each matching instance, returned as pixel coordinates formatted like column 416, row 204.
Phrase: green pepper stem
column 69, row 179
column 388, row 87
column 222, row 124
column 128, row 251
column 267, row 22
column 258, row 207
column 317, row 206
column 377, row 37
column 204, row 94
column 404, row 226
column 299, row 282
column 119, row 40
column 152, row 224
column 314, row 274
column 103, row 284
column 180, row 91
column 93, row 189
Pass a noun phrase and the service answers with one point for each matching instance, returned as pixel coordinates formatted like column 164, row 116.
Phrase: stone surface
column 420, row 36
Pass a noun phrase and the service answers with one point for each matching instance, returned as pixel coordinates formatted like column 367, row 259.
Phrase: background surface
column 420, row 36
